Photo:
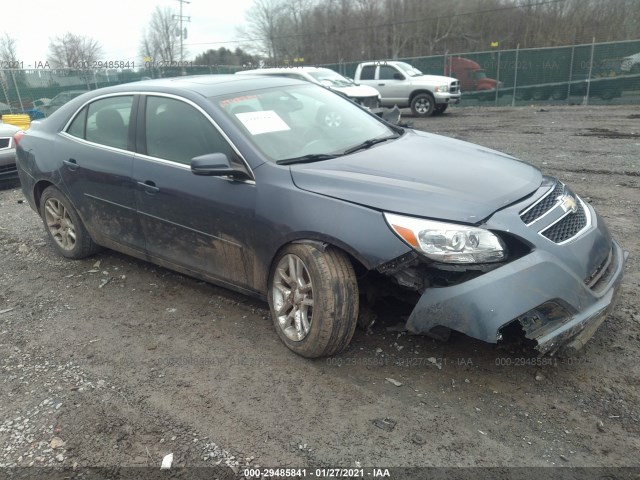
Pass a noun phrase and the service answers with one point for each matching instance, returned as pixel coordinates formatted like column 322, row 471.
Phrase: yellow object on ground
column 19, row 120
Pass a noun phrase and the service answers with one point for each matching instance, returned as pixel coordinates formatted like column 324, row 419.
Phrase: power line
column 383, row 25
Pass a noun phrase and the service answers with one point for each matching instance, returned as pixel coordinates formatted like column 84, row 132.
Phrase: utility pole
column 182, row 32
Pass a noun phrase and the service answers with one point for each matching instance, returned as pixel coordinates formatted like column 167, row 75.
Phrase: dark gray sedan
column 242, row 182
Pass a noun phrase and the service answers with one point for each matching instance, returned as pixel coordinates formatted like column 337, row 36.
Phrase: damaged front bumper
column 556, row 291
column 554, row 307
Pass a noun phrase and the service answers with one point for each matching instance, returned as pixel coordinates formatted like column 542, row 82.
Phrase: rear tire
column 64, row 226
column 313, row 297
column 440, row 109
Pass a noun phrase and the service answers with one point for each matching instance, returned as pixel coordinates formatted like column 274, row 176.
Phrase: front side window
column 387, row 72
column 178, row 132
column 105, row 121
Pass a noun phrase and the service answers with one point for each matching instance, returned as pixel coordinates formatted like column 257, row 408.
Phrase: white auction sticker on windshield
column 265, row 121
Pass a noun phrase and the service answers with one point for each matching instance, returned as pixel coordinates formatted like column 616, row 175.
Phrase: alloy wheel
column 293, row 297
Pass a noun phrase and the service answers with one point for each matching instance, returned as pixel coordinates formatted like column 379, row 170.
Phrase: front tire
column 64, row 226
column 422, row 105
column 313, row 297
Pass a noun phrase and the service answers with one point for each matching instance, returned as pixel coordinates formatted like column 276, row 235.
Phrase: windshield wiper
column 312, row 157
column 369, row 143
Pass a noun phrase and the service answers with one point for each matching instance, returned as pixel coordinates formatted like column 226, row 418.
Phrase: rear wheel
column 62, row 223
column 313, row 297
column 422, row 105
column 440, row 109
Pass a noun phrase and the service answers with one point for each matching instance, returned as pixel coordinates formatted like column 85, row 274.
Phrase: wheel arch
column 321, row 243
column 38, row 189
column 418, row 92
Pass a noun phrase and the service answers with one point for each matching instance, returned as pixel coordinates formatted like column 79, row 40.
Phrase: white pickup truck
column 405, row 86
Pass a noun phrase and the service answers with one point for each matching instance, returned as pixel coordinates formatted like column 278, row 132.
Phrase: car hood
column 424, row 175
column 8, row 130
column 357, row 91
column 432, row 79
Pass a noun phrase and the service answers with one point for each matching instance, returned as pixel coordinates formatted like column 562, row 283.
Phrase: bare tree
column 329, row 31
column 8, row 49
column 73, row 51
column 160, row 41
column 265, row 28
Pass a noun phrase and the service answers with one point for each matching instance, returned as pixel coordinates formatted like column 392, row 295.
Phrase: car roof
column 206, row 85
column 210, row 85
column 294, row 69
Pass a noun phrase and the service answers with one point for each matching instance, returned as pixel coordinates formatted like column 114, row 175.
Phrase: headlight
column 442, row 88
column 448, row 242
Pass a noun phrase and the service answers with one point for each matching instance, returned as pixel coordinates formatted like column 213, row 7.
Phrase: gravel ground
column 111, row 361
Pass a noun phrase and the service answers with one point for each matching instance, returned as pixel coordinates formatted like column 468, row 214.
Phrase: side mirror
column 216, row 165
column 398, row 76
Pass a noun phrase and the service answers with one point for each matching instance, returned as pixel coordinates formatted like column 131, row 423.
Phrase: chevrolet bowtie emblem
column 569, row 204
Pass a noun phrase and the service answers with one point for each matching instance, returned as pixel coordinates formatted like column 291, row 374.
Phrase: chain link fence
column 596, row 73
column 39, row 92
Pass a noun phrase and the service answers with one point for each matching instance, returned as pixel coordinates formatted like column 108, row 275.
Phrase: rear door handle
column 149, row 187
column 71, row 164
column 381, row 84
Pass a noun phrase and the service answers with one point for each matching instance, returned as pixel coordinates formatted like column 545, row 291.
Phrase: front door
column 199, row 223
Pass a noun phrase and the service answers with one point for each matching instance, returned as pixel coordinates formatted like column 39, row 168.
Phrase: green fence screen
column 597, row 73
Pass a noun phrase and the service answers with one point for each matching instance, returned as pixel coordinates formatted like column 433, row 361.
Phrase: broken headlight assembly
column 448, row 242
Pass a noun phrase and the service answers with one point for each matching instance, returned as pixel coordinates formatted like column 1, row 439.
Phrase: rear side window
column 177, row 131
column 104, row 121
column 77, row 126
column 368, row 72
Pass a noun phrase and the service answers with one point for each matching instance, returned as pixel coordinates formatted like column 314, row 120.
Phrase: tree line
column 329, row 31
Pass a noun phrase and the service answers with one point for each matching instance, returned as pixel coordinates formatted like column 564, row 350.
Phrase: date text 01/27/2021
column 325, row 472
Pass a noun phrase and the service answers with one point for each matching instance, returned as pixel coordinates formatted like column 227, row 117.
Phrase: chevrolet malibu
column 238, row 181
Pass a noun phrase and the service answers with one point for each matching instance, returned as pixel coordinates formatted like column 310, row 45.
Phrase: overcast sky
column 117, row 24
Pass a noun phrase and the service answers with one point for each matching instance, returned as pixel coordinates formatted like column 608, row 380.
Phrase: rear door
column 194, row 222
column 96, row 150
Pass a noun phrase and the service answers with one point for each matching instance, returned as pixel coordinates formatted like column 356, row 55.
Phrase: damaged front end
column 554, row 290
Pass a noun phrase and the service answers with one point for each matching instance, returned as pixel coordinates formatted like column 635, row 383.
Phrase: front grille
column 542, row 206
column 454, row 87
column 369, row 102
column 5, row 142
column 568, row 226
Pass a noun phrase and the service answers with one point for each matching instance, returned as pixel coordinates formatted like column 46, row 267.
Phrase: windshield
column 329, row 77
column 296, row 121
column 408, row 69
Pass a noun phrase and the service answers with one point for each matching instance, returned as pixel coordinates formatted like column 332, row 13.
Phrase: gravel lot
column 112, row 361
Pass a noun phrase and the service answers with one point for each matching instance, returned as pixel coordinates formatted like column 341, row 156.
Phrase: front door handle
column 149, row 187
column 71, row 164
column 381, row 84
